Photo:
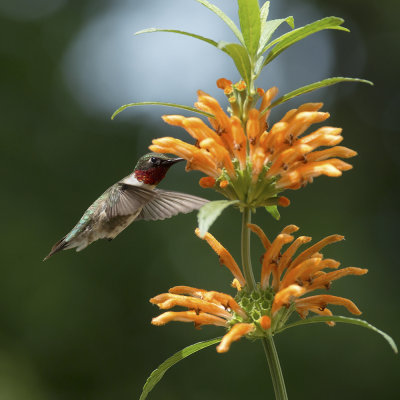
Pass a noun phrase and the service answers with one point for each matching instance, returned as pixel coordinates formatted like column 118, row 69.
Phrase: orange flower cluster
column 205, row 308
column 291, row 277
column 284, row 277
column 280, row 154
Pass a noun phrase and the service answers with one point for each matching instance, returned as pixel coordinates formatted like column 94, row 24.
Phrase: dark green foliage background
column 78, row 326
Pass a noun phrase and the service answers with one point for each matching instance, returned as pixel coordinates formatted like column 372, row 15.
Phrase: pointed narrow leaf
column 250, row 24
column 159, row 103
column 210, row 212
column 268, row 30
column 224, row 18
column 240, row 57
column 264, row 11
column 313, row 86
column 158, row 373
column 273, row 210
column 347, row 320
column 193, row 35
column 290, row 38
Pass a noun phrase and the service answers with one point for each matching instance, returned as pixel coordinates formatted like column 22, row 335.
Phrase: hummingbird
column 133, row 198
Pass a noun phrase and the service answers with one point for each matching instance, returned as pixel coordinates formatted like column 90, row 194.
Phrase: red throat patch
column 151, row 176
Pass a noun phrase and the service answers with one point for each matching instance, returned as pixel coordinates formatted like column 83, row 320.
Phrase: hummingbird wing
column 127, row 199
column 167, row 204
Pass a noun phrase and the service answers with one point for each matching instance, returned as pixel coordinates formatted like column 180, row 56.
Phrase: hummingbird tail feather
column 60, row 245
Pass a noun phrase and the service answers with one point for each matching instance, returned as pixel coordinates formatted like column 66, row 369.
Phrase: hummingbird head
column 152, row 167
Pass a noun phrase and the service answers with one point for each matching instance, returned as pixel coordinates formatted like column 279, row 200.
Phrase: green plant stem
column 246, row 259
column 268, row 342
column 274, row 368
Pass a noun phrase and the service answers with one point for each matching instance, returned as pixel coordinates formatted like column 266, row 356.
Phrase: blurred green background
column 78, row 326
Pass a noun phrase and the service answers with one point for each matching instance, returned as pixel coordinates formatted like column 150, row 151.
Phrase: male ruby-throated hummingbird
column 131, row 199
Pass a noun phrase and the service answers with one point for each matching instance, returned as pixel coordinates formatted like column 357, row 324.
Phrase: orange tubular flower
column 285, row 279
column 292, row 277
column 249, row 161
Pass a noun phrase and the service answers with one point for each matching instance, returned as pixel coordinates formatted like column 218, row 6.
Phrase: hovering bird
column 131, row 199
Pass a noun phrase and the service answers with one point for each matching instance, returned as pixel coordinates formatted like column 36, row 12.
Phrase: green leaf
column 240, row 57
column 250, row 24
column 224, row 18
column 269, row 28
column 264, row 11
column 210, row 212
column 273, row 210
column 193, row 35
column 290, row 38
column 158, row 373
column 159, row 103
column 347, row 320
column 311, row 87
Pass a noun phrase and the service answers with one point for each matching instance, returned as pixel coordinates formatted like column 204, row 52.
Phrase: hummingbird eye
column 155, row 160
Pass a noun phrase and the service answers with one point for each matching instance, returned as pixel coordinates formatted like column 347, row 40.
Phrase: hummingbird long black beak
column 171, row 161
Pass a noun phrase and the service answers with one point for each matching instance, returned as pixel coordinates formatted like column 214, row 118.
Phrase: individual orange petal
column 272, row 140
column 285, row 297
column 224, row 126
column 271, row 257
column 221, row 299
column 188, row 290
column 174, row 120
column 207, row 182
column 337, row 151
column 324, row 281
column 296, row 126
column 223, row 184
column 265, row 102
column 260, row 233
column 253, row 129
column 199, row 130
column 201, row 161
column 172, row 145
column 226, row 300
column 315, row 248
column 239, row 141
column 325, row 136
column 287, row 157
column 289, row 115
column 257, row 160
column 305, row 173
column 220, row 154
column 225, row 257
column 169, row 300
column 265, row 322
column 310, row 107
column 196, row 159
column 305, row 271
column 273, row 265
column 291, row 250
column 337, row 163
column 304, row 119
column 236, row 332
column 303, row 312
column 294, row 273
column 188, row 316
column 289, row 229
column 323, row 300
column 212, row 120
